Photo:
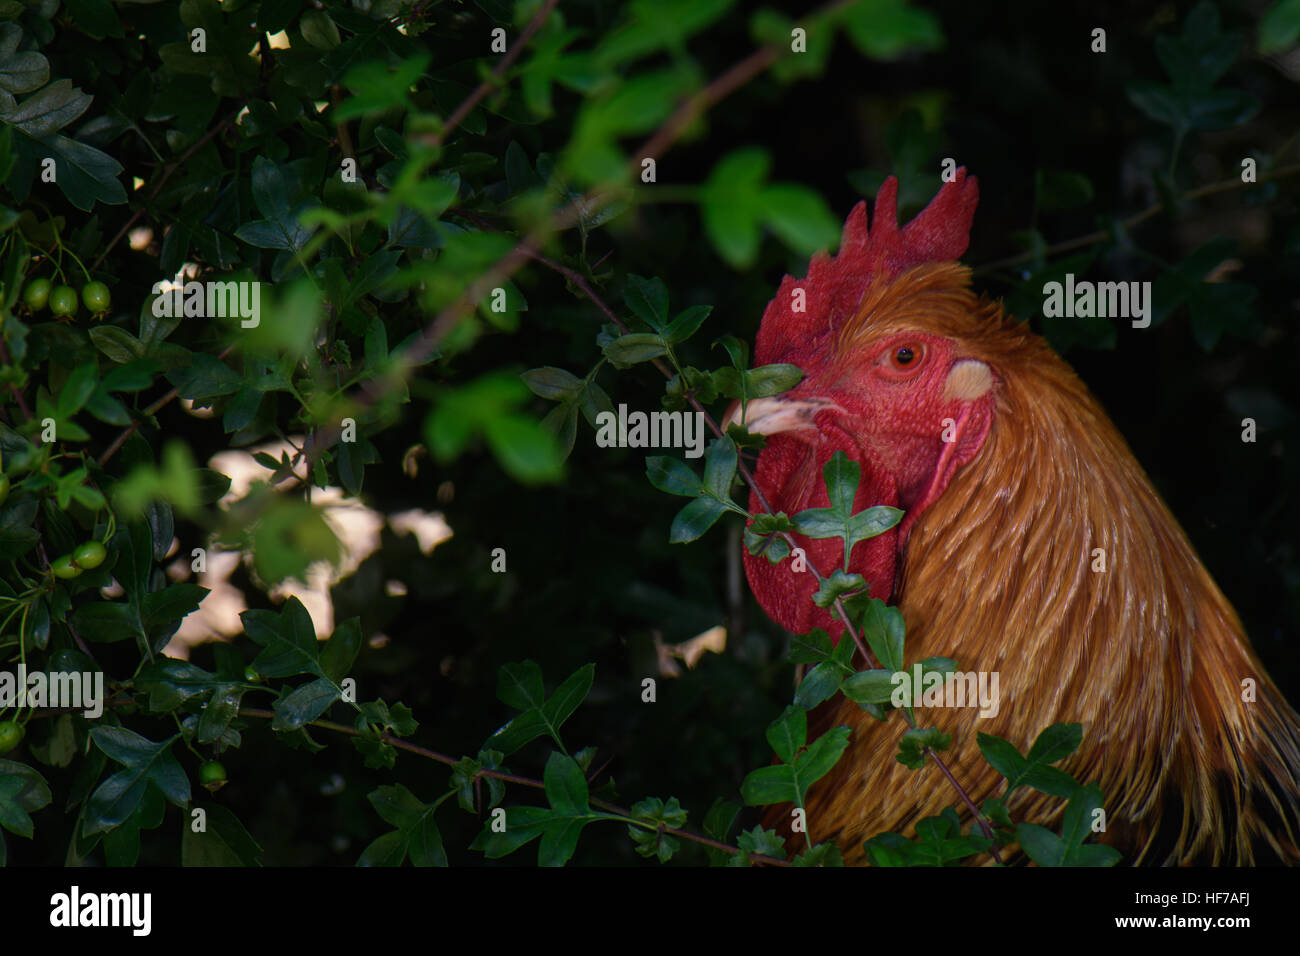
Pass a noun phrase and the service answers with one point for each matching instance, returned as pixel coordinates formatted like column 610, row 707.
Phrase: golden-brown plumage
column 997, row 573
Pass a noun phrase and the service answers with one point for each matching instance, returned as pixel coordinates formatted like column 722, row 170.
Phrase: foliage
column 420, row 230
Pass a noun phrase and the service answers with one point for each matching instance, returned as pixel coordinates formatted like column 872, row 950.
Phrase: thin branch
column 427, row 342
column 162, row 181
column 152, row 410
column 13, row 386
column 441, row 758
column 494, row 79
column 1135, row 220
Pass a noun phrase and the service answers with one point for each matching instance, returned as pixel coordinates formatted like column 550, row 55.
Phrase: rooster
column 1032, row 545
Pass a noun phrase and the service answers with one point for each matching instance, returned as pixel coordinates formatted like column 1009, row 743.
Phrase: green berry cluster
column 62, row 299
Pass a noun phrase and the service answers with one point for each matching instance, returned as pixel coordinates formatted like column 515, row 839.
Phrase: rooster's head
column 887, row 334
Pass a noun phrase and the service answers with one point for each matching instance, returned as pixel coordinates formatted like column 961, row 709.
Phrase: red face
column 909, row 409
column 907, row 398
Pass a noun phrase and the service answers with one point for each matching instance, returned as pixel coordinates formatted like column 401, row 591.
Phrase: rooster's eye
column 906, row 358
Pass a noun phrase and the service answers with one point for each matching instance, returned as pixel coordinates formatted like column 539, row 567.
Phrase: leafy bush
column 372, row 240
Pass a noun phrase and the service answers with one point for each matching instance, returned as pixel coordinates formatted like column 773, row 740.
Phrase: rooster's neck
column 1052, row 560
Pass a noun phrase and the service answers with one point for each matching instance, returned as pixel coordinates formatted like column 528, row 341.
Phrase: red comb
column 835, row 284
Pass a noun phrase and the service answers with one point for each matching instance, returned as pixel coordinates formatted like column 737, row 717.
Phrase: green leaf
column 378, row 87
column 647, row 299
column 886, row 29
column 523, row 824
column 774, row 548
column 714, row 499
column 870, row 686
column 23, row 791
column 553, row 384
column 417, row 834
column 653, row 843
column 566, row 788
column 560, row 706
column 304, row 704
column 911, row 747
column 319, row 30
column 758, row 841
column 288, row 641
column 525, row 450
column 720, row 469
column 147, row 763
column 1054, row 744
column 341, row 651
column 768, row 380
column 819, row 684
column 170, row 682
column 1060, row 189
column 45, row 113
column 218, row 712
column 787, row 733
column 767, row 785
column 1279, row 27
column 85, row 174
column 96, row 18
column 695, row 519
column 821, row 755
column 838, row 521
column 801, row 766
column 732, row 205
column 271, row 192
column 823, row 854
column 883, row 630
column 836, row 584
column 77, row 389
column 20, row 72
column 520, row 685
column 800, row 217
column 673, row 476
column 1040, row 844
column 628, row 350
column 223, row 842
column 686, row 324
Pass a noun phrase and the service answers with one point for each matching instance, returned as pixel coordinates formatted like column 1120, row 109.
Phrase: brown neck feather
column 999, row 574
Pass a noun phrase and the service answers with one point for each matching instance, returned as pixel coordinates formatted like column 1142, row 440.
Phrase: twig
column 1101, row 235
column 162, row 181
column 494, row 79
column 527, row 248
column 153, row 409
column 13, row 386
column 441, row 758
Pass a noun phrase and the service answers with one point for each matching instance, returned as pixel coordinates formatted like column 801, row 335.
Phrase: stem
column 1101, row 235
column 162, row 180
column 13, row 387
column 153, row 409
column 425, row 752
column 426, row 344
column 494, row 80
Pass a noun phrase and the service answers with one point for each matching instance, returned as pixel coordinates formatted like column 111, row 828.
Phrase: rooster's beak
column 768, row 416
